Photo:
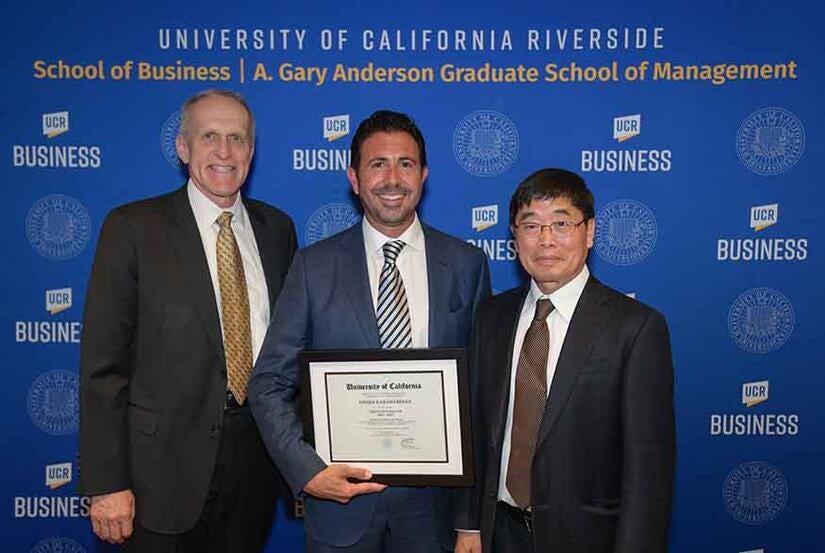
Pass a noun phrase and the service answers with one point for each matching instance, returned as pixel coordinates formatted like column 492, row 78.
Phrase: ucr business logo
column 58, row 300
column 56, row 156
column 55, row 124
column 61, row 504
column 754, row 393
column 50, row 331
column 485, row 217
column 776, row 249
column 754, row 424
column 58, row 475
column 643, row 160
column 335, row 127
column 626, row 127
column 325, row 159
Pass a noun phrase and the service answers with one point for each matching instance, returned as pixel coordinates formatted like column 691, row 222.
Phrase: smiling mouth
column 222, row 168
column 391, row 195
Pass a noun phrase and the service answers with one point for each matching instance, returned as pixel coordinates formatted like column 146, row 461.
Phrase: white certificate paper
column 381, row 417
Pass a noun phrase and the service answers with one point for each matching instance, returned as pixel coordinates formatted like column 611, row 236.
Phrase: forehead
column 389, row 144
column 219, row 111
column 560, row 206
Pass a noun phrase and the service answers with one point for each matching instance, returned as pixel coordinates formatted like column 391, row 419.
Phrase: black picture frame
column 318, row 362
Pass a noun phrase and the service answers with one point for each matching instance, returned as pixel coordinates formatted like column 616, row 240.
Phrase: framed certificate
column 403, row 413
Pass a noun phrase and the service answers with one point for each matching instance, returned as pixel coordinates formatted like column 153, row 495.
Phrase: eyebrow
column 387, row 158
column 560, row 211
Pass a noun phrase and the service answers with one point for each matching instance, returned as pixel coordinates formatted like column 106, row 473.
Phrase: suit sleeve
column 274, row 385
column 648, row 442
column 466, row 500
column 482, row 286
column 109, row 321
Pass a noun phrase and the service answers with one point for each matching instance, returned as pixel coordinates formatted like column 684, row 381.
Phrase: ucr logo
column 335, row 127
column 626, row 127
column 754, row 393
column 58, row 300
column 764, row 216
column 484, row 217
column 58, row 475
column 56, row 123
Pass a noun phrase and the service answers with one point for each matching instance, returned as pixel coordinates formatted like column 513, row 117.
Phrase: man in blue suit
column 329, row 301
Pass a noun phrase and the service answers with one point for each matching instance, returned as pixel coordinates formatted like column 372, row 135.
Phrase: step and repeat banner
column 699, row 129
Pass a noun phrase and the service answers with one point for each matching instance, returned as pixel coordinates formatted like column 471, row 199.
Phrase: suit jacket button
column 215, row 431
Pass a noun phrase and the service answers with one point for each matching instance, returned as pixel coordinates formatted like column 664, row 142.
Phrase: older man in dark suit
column 177, row 308
column 572, row 394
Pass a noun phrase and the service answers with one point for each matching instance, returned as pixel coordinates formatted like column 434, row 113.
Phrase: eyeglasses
column 561, row 229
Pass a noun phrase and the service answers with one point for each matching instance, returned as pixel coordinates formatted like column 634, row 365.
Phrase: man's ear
column 352, row 177
column 182, row 147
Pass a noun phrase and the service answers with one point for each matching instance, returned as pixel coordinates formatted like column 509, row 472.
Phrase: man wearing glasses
column 573, row 408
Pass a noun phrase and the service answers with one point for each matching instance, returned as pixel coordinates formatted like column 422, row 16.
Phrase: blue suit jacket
column 326, row 304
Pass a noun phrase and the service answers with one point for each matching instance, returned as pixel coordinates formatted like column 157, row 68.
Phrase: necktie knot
column 224, row 220
column 392, row 249
column 543, row 309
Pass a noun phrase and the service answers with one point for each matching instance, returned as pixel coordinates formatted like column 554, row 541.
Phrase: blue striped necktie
column 392, row 311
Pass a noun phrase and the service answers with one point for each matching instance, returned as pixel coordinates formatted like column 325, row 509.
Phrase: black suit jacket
column 603, row 468
column 153, row 373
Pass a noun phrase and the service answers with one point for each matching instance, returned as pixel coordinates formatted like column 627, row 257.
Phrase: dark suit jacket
column 153, row 373
column 602, row 473
column 326, row 303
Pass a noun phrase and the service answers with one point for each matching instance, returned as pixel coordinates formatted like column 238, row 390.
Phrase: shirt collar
column 564, row 299
column 206, row 212
column 413, row 237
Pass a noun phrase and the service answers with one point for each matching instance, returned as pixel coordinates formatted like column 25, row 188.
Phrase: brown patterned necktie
column 528, row 404
column 237, row 341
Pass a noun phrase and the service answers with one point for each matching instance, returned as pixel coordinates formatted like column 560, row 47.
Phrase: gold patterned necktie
column 528, row 403
column 237, row 341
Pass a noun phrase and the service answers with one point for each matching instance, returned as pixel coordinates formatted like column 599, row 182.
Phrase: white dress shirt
column 206, row 215
column 564, row 302
column 412, row 264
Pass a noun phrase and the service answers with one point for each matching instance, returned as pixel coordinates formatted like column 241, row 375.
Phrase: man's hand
column 468, row 542
column 332, row 483
column 112, row 516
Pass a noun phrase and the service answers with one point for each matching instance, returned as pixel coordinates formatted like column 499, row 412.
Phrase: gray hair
column 186, row 109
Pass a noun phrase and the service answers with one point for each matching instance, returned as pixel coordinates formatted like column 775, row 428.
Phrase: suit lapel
column 439, row 284
column 352, row 260
column 585, row 328
column 186, row 240
column 267, row 250
column 502, row 360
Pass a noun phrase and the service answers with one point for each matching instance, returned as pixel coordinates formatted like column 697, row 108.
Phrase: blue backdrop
column 699, row 128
